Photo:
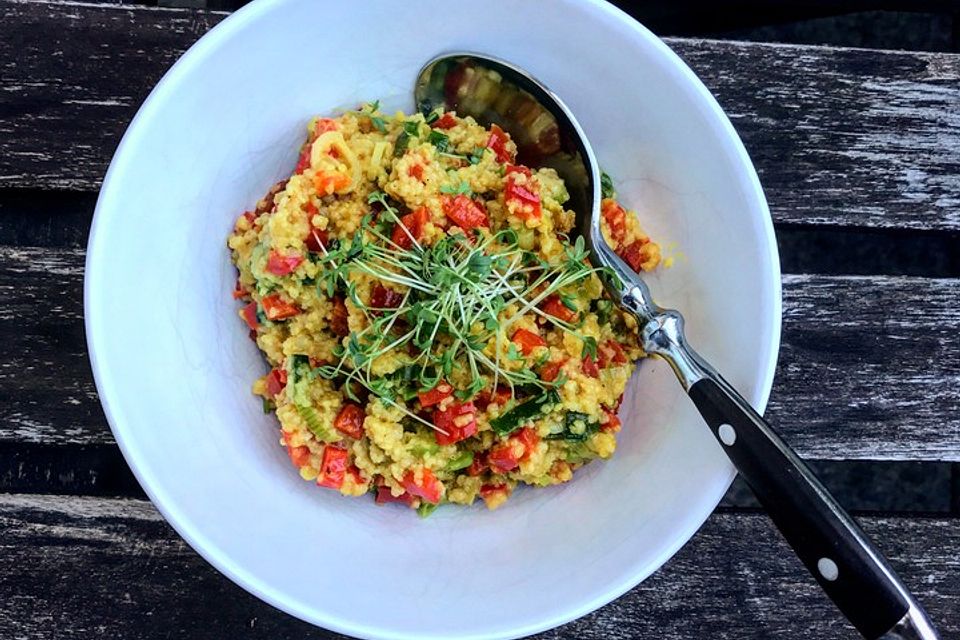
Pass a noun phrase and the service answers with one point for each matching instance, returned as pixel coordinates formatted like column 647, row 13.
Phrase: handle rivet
column 727, row 435
column 828, row 569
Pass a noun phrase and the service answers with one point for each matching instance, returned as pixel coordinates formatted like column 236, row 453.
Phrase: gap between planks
column 847, row 137
column 735, row 578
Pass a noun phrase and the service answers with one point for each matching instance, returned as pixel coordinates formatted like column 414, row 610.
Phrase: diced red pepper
column 555, row 307
column 251, row 217
column 520, row 199
column 303, row 161
column 464, row 212
column 250, row 316
column 610, row 352
column 458, row 420
column 299, row 456
column 238, row 291
column 414, row 223
column 276, row 381
column 350, row 421
column 354, row 472
column 281, row 265
column 429, row 488
column 616, row 218
column 633, row 254
column 446, row 121
column 383, row 298
column 498, row 143
column 527, row 340
column 590, row 367
column 277, row 308
column 505, row 456
column 500, row 396
column 332, row 467
column 384, row 496
column 530, row 439
column 550, row 371
column 415, row 171
column 435, row 395
column 478, row 466
column 612, row 425
column 339, row 318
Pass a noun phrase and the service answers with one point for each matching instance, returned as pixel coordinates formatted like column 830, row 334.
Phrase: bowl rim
column 195, row 538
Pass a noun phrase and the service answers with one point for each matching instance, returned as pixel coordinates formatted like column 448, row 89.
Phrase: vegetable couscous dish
column 433, row 333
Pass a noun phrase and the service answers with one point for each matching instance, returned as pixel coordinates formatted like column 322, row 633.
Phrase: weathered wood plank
column 735, row 578
column 869, row 366
column 840, row 136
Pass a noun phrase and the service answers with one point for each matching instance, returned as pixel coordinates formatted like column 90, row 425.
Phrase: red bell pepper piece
column 332, row 467
column 384, row 496
column 498, row 143
column 250, row 316
column 277, row 308
column 527, row 340
column 590, row 367
column 428, row 488
column 612, row 425
column 414, row 223
column 383, row 298
column 616, row 218
column 550, row 371
column 339, row 318
column 281, row 265
column 479, row 465
column 633, row 254
column 446, row 121
column 521, row 199
column 555, row 307
column 464, row 212
column 350, row 421
column 299, row 456
column 435, row 395
column 500, row 396
column 276, row 381
column 458, row 420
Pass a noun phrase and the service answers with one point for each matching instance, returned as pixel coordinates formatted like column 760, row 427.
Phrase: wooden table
column 846, row 142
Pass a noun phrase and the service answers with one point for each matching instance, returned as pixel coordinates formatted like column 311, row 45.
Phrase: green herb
column 589, row 347
column 575, row 428
column 268, row 406
column 569, row 301
column 403, row 141
column 411, row 127
column 426, row 508
column 440, row 140
column 477, row 155
column 461, row 461
column 456, row 292
column 524, row 413
column 606, row 186
column 461, row 189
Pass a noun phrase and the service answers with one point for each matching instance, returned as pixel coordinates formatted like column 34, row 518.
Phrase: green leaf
column 461, row 189
column 606, row 186
column 426, row 508
column 439, row 140
column 569, row 301
column 513, row 353
column 524, row 413
column 403, row 141
column 477, row 155
column 589, row 347
column 411, row 128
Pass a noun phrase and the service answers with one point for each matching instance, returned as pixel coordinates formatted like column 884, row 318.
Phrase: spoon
column 828, row 541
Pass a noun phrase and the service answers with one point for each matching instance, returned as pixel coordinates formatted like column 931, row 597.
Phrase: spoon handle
column 826, row 539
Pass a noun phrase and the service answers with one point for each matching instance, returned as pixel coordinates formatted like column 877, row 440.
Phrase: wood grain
column 868, row 366
column 839, row 136
column 94, row 567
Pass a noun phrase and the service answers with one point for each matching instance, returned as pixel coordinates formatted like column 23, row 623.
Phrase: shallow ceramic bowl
column 174, row 365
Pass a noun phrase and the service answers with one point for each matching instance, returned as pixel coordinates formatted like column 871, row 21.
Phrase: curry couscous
column 434, row 335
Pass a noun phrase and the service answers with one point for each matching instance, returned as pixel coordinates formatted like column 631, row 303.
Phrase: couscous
column 433, row 333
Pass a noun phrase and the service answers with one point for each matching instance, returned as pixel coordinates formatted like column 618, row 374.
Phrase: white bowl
column 174, row 365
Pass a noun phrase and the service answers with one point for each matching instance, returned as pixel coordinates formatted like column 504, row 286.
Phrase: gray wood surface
column 91, row 567
column 867, row 370
column 839, row 136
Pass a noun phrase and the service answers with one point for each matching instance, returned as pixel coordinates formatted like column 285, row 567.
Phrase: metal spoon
column 831, row 545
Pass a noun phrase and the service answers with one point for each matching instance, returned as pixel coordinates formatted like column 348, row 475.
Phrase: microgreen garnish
column 370, row 109
column 589, row 347
column 477, row 155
